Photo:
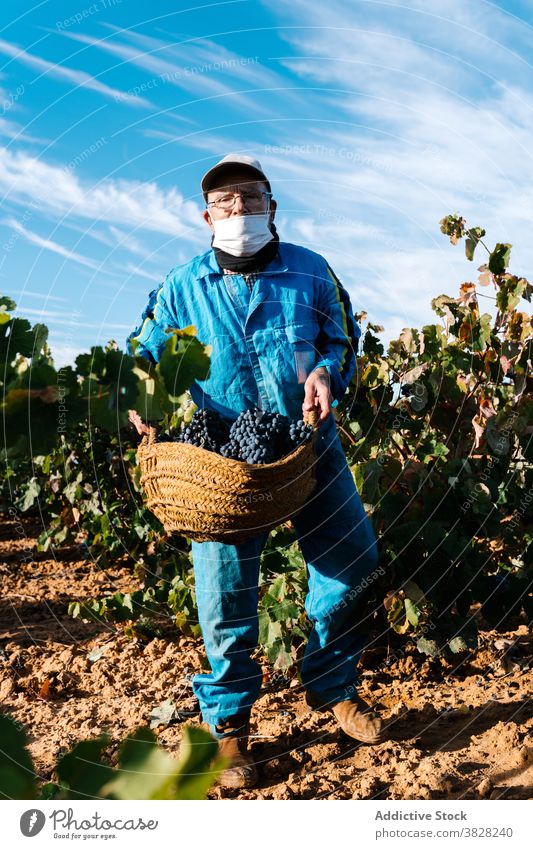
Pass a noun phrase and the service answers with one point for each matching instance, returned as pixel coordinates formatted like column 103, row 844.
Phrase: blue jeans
column 338, row 543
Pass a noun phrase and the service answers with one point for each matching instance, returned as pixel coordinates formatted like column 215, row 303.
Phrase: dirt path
column 460, row 731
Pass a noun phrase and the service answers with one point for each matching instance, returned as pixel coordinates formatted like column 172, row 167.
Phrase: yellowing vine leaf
column 485, row 278
column 478, row 430
column 486, row 408
column 468, row 293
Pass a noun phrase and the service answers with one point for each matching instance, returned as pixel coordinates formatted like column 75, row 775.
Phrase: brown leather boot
column 241, row 770
column 356, row 719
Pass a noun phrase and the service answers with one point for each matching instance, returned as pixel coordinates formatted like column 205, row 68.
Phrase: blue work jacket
column 264, row 343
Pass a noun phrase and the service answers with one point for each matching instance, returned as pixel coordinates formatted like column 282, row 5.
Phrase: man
column 284, row 339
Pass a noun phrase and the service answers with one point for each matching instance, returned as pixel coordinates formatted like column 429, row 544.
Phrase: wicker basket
column 204, row 496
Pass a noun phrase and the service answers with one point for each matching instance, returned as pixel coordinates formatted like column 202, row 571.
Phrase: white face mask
column 242, row 235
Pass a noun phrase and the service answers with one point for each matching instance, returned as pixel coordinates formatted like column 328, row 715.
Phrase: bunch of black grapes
column 207, row 429
column 299, row 432
column 256, row 436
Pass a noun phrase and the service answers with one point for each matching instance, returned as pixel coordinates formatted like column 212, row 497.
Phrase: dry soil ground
column 456, row 730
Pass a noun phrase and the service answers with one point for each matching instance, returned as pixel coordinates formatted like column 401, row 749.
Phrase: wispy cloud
column 49, row 245
column 27, row 293
column 134, row 203
column 200, row 66
column 140, row 272
column 80, row 79
column 51, row 317
column 14, row 131
column 127, row 241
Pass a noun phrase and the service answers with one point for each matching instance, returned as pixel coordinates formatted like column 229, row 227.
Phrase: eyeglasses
column 251, row 199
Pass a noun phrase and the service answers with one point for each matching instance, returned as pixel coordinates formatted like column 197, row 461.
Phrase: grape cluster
column 206, row 430
column 256, row 436
column 299, row 432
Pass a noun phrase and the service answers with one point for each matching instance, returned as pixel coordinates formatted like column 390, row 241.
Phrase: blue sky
column 371, row 119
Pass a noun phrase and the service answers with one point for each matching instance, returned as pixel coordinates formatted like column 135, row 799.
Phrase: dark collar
column 209, row 265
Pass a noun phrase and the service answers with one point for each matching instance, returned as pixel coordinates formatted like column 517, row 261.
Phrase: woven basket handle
column 150, row 437
column 144, row 429
column 311, row 417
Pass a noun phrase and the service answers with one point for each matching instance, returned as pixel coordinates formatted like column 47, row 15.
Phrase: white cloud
column 12, row 130
column 90, row 233
column 26, row 293
column 58, row 318
column 200, row 66
column 81, row 79
column 134, row 203
column 49, row 245
column 140, row 272
column 65, row 354
column 127, row 241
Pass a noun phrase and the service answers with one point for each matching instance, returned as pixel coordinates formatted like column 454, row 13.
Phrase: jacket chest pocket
column 301, row 343
column 288, row 351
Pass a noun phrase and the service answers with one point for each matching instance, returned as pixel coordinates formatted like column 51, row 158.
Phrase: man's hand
column 318, row 393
